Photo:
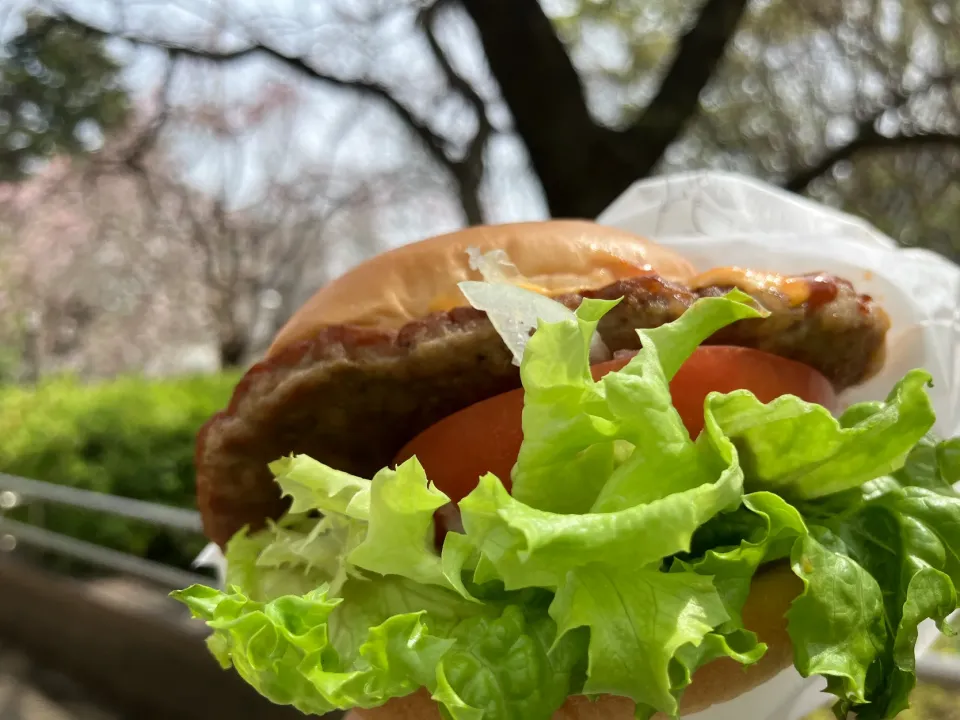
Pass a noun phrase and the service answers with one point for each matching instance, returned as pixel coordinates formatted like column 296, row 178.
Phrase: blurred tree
column 260, row 218
column 855, row 103
column 602, row 92
column 122, row 261
column 92, row 283
column 461, row 155
column 59, row 92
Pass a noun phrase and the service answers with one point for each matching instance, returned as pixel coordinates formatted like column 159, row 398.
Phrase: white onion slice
column 494, row 266
column 515, row 311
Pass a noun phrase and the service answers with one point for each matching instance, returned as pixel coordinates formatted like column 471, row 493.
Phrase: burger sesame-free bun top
column 773, row 589
column 409, row 282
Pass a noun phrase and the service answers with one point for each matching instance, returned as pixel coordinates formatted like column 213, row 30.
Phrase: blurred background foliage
column 175, row 180
column 59, row 91
column 128, row 436
column 203, row 170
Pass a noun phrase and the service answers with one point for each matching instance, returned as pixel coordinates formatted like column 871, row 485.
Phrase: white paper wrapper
column 212, row 557
column 718, row 219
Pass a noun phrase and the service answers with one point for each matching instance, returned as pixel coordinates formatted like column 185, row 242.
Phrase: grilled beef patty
column 352, row 397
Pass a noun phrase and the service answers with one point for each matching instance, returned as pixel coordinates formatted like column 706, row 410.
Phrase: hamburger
column 551, row 470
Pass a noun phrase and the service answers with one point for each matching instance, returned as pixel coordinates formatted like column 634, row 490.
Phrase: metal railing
column 933, row 668
column 13, row 489
column 936, row 668
column 19, row 491
column 130, row 645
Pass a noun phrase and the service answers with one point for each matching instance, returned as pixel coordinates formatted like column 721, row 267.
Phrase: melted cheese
column 442, row 303
column 795, row 289
column 496, row 266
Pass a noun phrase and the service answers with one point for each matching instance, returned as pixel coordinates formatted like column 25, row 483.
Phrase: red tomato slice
column 486, row 437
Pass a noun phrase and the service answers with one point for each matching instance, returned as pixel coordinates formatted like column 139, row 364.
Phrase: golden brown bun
column 407, row 283
column 772, row 591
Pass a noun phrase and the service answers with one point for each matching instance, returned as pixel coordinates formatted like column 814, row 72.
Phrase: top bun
column 411, row 281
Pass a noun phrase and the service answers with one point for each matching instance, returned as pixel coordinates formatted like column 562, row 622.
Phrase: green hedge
column 131, row 436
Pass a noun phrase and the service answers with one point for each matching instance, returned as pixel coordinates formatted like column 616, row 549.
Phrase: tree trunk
column 576, row 160
column 468, row 192
column 30, row 353
column 234, row 350
column 582, row 165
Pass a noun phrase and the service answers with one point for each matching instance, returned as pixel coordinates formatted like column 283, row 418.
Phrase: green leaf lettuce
column 621, row 561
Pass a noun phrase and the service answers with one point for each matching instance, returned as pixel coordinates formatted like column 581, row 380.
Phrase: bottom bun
column 772, row 591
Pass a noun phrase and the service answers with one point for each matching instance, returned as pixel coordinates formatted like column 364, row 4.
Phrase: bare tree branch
column 135, row 156
column 581, row 163
column 868, row 140
column 433, row 142
column 151, row 134
column 868, row 137
column 699, row 54
column 461, row 85
column 469, row 170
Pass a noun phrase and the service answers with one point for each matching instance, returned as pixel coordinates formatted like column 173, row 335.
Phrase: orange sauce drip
column 815, row 289
column 797, row 290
